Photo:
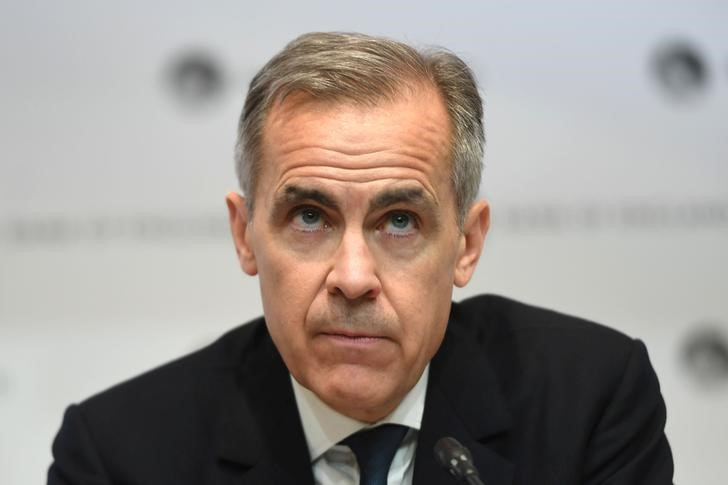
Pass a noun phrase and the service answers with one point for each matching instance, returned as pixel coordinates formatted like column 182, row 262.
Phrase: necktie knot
column 374, row 449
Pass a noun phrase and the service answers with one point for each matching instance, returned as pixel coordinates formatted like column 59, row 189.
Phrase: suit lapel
column 464, row 401
column 260, row 437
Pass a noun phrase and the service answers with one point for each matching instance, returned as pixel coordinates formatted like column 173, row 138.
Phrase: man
column 360, row 159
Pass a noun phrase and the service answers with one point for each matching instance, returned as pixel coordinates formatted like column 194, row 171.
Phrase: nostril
column 352, row 284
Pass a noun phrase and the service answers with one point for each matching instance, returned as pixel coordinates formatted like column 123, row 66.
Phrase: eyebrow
column 294, row 194
column 413, row 195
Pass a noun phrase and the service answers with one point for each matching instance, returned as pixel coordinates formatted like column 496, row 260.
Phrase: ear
column 239, row 226
column 477, row 222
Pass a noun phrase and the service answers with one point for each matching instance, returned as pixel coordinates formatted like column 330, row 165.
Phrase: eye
column 399, row 224
column 309, row 219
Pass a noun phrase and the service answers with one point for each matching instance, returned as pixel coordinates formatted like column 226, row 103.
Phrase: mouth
column 354, row 346
column 350, row 336
column 353, row 338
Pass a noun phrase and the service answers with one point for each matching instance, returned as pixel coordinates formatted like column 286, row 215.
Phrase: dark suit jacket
column 538, row 397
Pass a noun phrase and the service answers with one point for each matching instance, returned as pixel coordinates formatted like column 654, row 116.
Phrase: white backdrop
column 609, row 191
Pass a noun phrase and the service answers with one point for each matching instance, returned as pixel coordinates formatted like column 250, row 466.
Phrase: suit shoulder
column 182, row 375
column 515, row 335
column 143, row 426
column 535, row 352
column 498, row 317
column 575, row 391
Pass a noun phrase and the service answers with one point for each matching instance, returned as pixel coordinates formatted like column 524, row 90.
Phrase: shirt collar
column 324, row 427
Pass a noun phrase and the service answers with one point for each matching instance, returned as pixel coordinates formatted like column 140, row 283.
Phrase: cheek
column 287, row 295
column 422, row 299
column 422, row 282
column 421, row 291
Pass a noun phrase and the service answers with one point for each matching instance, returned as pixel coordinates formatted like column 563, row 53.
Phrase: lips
column 352, row 334
column 362, row 330
column 353, row 337
column 337, row 346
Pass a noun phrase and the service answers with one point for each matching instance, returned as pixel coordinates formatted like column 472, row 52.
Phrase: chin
column 364, row 396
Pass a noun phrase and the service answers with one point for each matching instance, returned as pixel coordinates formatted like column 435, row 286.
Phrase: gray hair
column 366, row 70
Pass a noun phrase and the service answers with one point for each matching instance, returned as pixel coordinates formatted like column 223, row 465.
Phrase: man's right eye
column 308, row 219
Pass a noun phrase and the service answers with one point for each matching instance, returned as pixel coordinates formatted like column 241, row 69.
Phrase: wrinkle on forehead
column 407, row 139
column 302, row 112
column 426, row 139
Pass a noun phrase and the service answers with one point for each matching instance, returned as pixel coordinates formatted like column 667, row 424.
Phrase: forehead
column 333, row 141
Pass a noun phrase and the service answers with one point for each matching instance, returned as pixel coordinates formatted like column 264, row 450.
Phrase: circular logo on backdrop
column 680, row 70
column 705, row 354
column 195, row 78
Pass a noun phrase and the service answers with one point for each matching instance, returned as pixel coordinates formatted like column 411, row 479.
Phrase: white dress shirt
column 335, row 464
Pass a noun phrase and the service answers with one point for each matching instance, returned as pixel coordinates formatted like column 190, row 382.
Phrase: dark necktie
column 374, row 449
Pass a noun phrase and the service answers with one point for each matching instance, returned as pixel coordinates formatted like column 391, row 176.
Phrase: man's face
column 355, row 241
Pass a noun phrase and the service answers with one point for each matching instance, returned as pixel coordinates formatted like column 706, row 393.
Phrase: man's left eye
column 399, row 224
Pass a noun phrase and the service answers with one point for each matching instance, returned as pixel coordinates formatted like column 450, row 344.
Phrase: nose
column 353, row 271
